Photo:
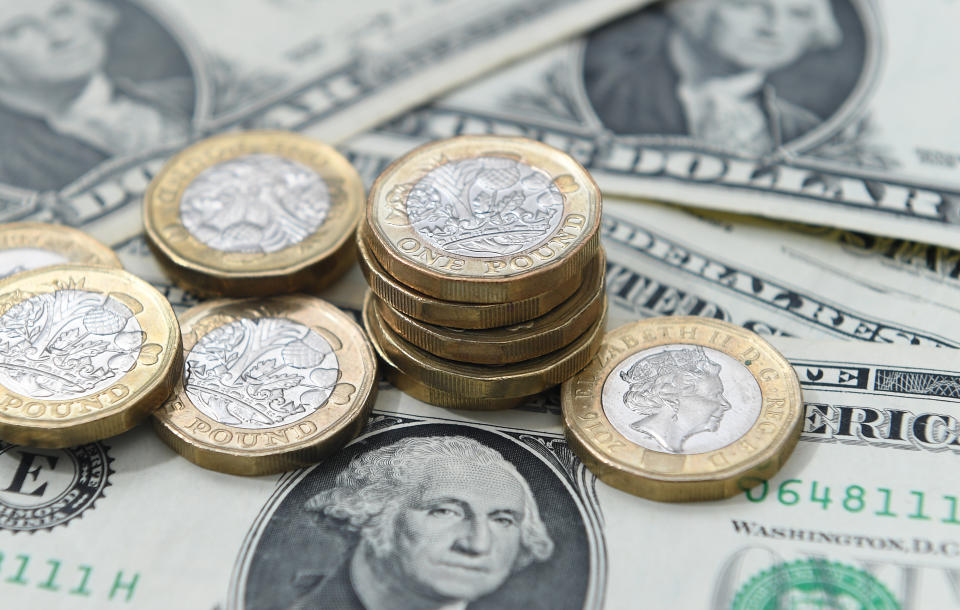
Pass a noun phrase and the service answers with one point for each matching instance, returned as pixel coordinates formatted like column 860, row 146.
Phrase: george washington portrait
column 442, row 519
column 84, row 81
column 743, row 75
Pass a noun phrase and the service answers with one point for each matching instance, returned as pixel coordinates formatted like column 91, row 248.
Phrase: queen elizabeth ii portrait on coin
column 673, row 399
column 427, row 520
column 744, row 75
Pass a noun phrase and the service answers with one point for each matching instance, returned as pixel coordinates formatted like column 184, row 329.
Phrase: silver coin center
column 66, row 344
column 681, row 399
column 16, row 260
column 255, row 203
column 260, row 373
column 485, row 207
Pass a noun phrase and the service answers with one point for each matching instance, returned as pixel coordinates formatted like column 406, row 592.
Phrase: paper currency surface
column 770, row 278
column 835, row 114
column 867, row 498
column 96, row 94
column 128, row 523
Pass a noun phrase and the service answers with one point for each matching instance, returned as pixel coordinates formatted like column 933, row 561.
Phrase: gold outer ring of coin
column 312, row 263
column 433, row 396
column 100, row 412
column 407, row 256
column 218, row 446
column 757, row 455
column 72, row 244
column 456, row 315
column 477, row 380
column 540, row 336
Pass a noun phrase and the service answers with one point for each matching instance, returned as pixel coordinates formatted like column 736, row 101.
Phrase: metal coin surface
column 683, row 408
column 433, row 396
column 477, row 381
column 254, row 213
column 484, row 219
column 452, row 314
column 85, row 353
column 509, row 344
column 32, row 245
column 268, row 384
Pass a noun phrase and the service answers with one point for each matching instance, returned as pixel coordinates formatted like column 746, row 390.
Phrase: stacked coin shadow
column 485, row 270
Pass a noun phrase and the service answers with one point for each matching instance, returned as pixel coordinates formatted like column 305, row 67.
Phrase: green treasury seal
column 814, row 583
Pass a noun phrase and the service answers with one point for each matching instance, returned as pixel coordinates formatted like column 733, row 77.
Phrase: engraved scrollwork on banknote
column 255, row 203
column 675, row 399
column 68, row 343
column 260, row 373
column 485, row 206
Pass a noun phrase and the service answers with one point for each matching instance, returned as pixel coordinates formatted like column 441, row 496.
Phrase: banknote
column 96, row 94
column 667, row 261
column 807, row 111
column 492, row 510
column 772, row 278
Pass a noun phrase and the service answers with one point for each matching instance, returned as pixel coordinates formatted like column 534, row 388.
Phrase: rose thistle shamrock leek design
column 486, row 206
column 69, row 343
column 260, row 373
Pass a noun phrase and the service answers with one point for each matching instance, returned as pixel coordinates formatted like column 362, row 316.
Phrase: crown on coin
column 672, row 362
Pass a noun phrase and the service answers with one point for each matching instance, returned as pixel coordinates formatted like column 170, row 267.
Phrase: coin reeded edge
column 470, row 316
column 428, row 394
column 509, row 381
column 539, row 336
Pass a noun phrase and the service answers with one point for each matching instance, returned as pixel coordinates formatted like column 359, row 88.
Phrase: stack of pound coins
column 486, row 273
column 254, row 213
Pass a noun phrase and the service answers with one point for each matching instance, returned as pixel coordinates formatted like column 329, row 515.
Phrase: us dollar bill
column 108, row 89
column 849, row 522
column 809, row 114
column 668, row 261
column 770, row 277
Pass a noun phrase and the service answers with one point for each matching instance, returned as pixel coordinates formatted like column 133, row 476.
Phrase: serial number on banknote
column 877, row 501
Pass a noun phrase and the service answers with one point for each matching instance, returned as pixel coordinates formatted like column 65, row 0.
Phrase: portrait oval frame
column 552, row 458
column 848, row 110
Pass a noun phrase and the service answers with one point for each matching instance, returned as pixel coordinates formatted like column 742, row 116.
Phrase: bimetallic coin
column 268, row 384
column 254, row 213
column 483, row 219
column 32, row 245
column 509, row 344
column 478, row 381
column 433, row 396
column 683, row 408
column 457, row 315
column 85, row 353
